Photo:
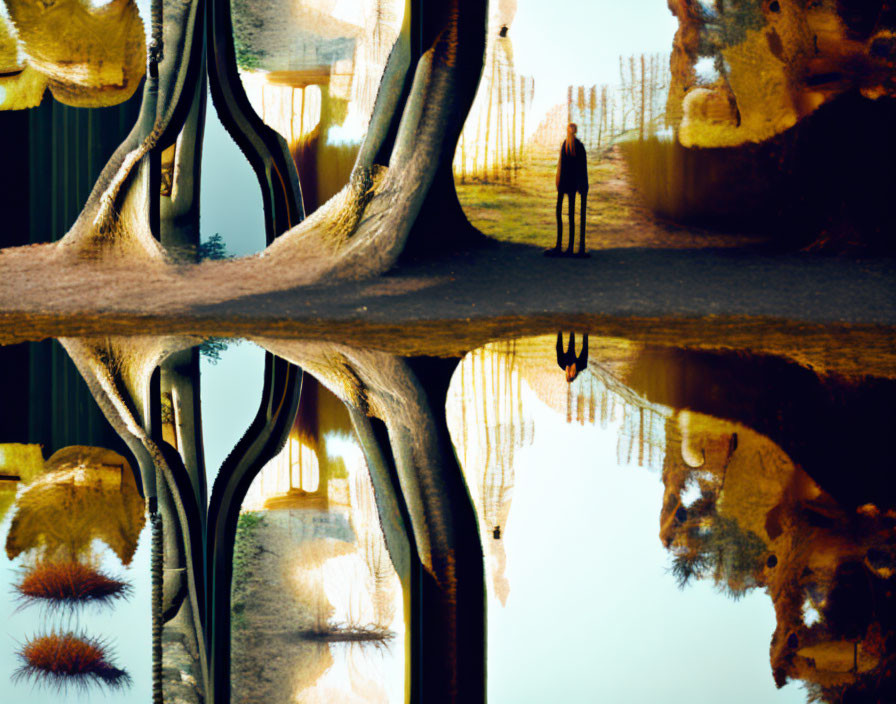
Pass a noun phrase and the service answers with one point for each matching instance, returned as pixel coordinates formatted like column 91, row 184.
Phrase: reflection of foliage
column 248, row 56
column 214, row 248
column 87, row 494
column 60, row 659
column 719, row 548
column 245, row 549
column 167, row 408
column 688, row 565
column 70, row 584
column 212, row 347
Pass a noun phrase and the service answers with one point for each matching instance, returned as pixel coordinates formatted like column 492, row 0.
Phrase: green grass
column 523, row 211
column 245, row 550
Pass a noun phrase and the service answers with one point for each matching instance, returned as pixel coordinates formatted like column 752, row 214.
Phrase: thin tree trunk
column 622, row 92
column 569, row 105
column 513, row 144
column 524, row 94
column 488, row 115
column 603, row 112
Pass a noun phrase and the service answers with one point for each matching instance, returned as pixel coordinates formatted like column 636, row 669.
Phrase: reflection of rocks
column 18, row 463
column 86, row 494
column 741, row 510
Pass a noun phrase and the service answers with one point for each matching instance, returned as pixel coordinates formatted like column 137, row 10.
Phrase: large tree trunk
column 363, row 230
column 116, row 219
column 400, row 197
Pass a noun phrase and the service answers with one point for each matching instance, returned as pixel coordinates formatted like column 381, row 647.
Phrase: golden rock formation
column 88, row 56
column 777, row 61
column 86, row 493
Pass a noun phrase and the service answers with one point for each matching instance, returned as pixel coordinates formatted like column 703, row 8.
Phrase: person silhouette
column 568, row 361
column 572, row 178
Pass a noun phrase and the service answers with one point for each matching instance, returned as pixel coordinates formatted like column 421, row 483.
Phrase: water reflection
column 317, row 605
column 683, row 495
column 746, row 509
column 67, row 513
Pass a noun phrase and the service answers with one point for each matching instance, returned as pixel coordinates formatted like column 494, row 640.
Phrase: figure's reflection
column 571, row 363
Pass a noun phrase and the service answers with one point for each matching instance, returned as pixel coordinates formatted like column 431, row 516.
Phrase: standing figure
column 572, row 178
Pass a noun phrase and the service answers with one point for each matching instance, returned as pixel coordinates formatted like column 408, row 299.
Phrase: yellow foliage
column 24, row 461
column 20, row 85
column 90, row 56
column 761, row 89
column 86, row 493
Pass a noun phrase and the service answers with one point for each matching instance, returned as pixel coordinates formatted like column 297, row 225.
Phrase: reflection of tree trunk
column 408, row 396
column 118, row 373
column 180, row 379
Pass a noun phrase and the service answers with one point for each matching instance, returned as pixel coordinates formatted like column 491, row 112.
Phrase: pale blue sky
column 230, row 196
column 126, row 627
column 579, row 42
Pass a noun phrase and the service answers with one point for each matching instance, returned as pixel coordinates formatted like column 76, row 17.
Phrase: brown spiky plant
column 69, row 584
column 63, row 660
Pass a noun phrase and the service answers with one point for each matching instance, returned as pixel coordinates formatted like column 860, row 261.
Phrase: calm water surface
column 681, row 513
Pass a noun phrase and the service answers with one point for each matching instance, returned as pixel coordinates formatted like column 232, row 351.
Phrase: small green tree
column 214, row 248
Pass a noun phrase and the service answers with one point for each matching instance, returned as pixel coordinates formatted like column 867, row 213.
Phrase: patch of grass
column 245, row 550
column 726, row 188
column 523, row 212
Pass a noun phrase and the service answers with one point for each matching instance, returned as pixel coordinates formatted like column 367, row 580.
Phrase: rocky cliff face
column 774, row 63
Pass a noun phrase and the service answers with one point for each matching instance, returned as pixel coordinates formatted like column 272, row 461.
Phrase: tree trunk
column 411, row 204
column 116, row 220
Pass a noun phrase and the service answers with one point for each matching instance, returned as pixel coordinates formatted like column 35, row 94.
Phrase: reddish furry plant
column 70, row 584
column 63, row 659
